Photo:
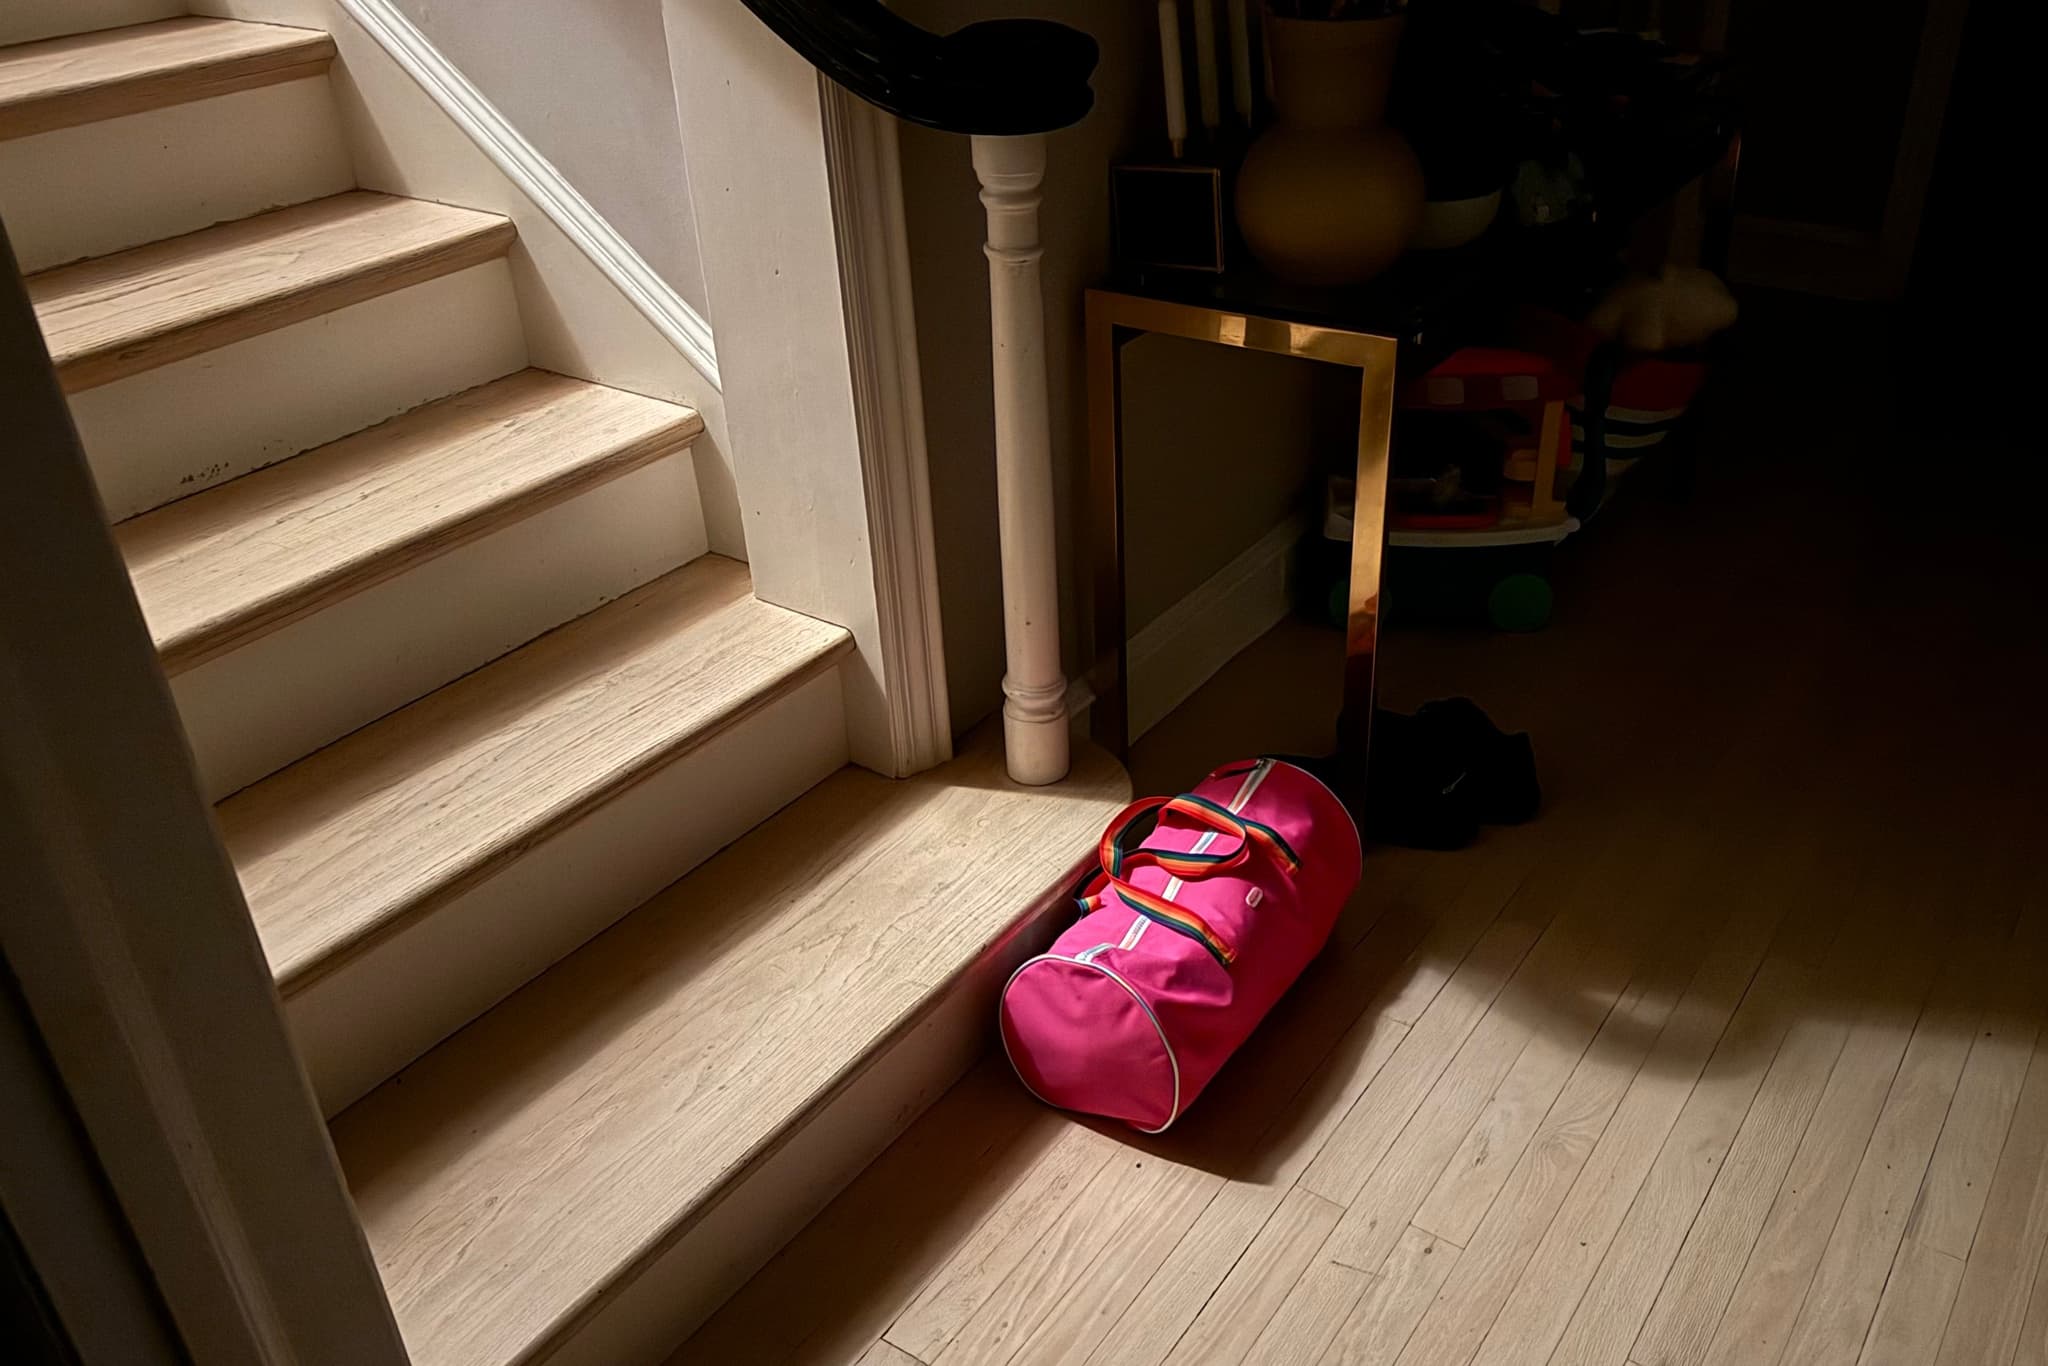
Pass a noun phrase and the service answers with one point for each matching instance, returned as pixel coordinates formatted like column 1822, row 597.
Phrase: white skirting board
column 1191, row 640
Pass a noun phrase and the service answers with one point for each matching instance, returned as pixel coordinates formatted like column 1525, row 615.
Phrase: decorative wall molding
column 669, row 313
column 1185, row 646
column 865, row 169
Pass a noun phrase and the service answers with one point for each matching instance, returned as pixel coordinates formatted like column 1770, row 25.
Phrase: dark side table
column 1405, row 321
column 1114, row 317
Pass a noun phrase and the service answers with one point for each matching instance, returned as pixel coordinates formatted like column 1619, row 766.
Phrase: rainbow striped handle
column 1117, row 859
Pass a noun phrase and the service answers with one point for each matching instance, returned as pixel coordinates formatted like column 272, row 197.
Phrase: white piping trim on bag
column 1171, row 1060
column 671, row 315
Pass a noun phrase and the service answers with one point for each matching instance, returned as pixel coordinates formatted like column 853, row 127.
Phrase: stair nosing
column 479, row 237
column 308, row 969
column 904, row 1006
column 280, row 607
column 791, row 1125
column 308, row 52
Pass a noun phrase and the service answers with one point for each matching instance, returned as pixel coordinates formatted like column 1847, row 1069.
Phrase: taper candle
column 1241, row 60
column 1206, row 90
column 1176, row 83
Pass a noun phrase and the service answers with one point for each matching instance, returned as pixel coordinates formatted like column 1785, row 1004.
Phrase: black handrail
column 1002, row 76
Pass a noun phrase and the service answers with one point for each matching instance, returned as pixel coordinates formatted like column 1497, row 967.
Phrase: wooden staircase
column 490, row 733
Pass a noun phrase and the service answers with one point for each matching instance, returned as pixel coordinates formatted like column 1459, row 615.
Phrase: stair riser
column 28, row 21
column 374, row 1013
column 283, row 695
column 170, row 432
column 103, row 187
column 643, row 1320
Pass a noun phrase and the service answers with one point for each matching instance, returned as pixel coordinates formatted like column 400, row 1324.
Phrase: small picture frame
column 1168, row 216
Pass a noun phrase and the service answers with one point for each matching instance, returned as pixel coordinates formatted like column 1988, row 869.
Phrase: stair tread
column 217, row 568
column 119, row 315
column 346, row 845
column 541, row 1156
column 62, row 82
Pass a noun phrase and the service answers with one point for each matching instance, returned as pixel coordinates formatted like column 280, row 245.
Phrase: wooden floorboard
column 1735, row 1057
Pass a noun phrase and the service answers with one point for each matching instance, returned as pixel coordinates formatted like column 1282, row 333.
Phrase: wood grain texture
column 882, row 1354
column 1991, row 1303
column 62, row 82
column 1564, row 1263
column 1251, row 1294
column 215, row 570
column 2033, row 1348
column 1771, row 844
column 1841, row 1302
column 342, row 847
column 1097, row 1227
column 1385, row 1317
column 1074, row 1322
column 1307, row 1322
column 513, row 1177
column 120, row 315
column 931, row 1194
column 1766, row 1299
column 1913, row 1314
column 1548, row 1166
column 989, row 1256
column 1951, row 1200
column 1514, row 1062
column 1762, row 1151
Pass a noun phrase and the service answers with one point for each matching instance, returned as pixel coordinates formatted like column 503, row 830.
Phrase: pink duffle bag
column 1193, row 928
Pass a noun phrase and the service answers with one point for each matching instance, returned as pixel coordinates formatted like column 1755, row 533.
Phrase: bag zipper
column 1245, row 792
column 1139, row 920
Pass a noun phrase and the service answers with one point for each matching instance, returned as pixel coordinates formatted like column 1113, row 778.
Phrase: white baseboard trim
column 1191, row 640
column 669, row 313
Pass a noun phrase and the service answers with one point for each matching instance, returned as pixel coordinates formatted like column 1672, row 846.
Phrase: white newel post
column 1034, row 685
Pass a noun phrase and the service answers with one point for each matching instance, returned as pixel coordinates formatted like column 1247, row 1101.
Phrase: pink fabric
column 1128, row 1017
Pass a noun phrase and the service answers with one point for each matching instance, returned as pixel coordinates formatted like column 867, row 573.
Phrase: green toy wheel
column 1519, row 602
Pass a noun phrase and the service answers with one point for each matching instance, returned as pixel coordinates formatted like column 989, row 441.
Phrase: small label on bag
column 1254, row 896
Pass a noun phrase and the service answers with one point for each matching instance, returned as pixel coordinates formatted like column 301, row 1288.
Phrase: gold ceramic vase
column 1329, row 195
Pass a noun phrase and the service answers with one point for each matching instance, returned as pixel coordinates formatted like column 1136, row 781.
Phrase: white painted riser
column 383, row 1008
column 118, row 183
column 26, row 21
column 180, row 428
column 282, row 696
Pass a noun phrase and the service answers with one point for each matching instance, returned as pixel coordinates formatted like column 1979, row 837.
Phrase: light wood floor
column 1732, row 1058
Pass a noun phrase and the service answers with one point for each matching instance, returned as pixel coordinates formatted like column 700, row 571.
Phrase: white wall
column 588, row 84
